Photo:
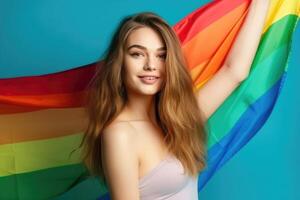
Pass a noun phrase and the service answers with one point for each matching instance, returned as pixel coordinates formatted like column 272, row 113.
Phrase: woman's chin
column 148, row 91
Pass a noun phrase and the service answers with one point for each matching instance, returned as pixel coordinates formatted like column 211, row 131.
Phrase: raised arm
column 120, row 161
column 238, row 61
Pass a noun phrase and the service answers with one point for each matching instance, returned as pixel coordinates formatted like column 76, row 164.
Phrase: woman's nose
column 150, row 64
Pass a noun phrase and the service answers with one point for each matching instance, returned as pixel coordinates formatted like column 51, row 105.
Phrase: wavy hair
column 176, row 107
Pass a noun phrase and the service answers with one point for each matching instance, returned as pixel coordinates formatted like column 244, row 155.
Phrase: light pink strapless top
column 168, row 181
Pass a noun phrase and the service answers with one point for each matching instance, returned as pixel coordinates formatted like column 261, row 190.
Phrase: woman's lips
column 149, row 79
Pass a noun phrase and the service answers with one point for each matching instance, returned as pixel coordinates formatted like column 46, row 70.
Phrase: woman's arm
column 238, row 61
column 240, row 57
column 120, row 161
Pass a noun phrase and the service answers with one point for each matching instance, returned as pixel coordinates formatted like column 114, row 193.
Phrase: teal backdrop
column 266, row 168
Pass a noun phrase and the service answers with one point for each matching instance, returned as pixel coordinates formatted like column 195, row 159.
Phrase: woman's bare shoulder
column 119, row 132
column 120, row 160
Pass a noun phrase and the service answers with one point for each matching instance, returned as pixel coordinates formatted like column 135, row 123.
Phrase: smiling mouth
column 148, row 79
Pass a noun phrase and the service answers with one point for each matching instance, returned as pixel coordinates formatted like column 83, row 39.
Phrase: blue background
column 41, row 37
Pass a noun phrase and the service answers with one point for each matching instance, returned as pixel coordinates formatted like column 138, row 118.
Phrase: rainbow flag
column 42, row 117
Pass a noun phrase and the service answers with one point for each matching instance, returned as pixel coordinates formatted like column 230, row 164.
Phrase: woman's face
column 144, row 62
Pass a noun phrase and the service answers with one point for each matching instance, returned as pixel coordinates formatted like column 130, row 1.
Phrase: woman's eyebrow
column 144, row 48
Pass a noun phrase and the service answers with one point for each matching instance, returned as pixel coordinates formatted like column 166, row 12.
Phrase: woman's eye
column 135, row 54
column 163, row 56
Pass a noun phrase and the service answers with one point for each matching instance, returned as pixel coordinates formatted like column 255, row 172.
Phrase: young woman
column 146, row 135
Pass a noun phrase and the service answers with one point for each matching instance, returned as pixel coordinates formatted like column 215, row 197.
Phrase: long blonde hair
column 176, row 106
